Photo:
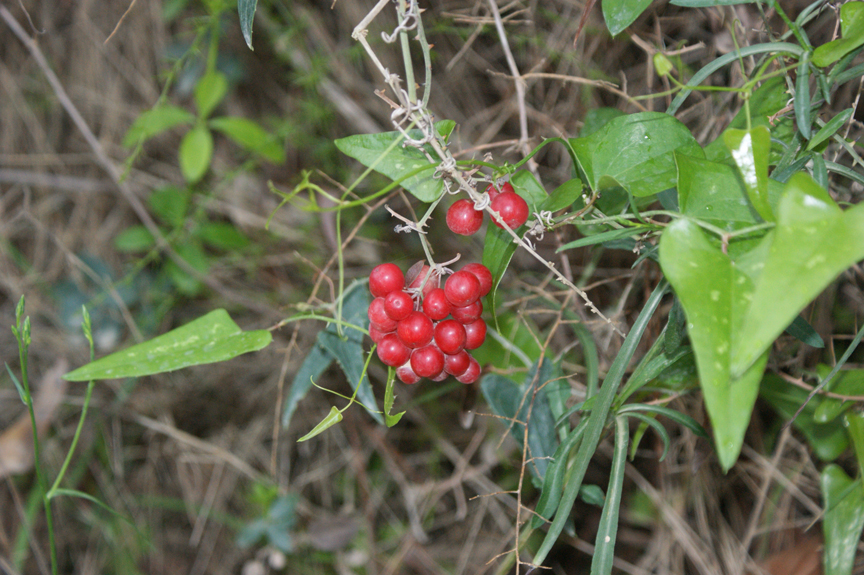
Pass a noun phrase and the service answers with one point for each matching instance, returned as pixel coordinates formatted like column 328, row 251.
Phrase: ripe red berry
column 441, row 376
column 462, row 288
column 417, row 280
column 483, row 274
column 471, row 374
column 391, row 351
column 416, row 330
column 435, row 305
column 450, row 336
column 428, row 361
column 378, row 316
column 398, row 304
column 457, row 363
column 492, row 191
column 463, row 219
column 468, row 313
column 475, row 334
column 376, row 334
column 406, row 374
column 385, row 278
column 512, row 209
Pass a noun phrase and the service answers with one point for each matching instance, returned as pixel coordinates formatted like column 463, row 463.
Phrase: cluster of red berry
column 409, row 320
column 464, row 220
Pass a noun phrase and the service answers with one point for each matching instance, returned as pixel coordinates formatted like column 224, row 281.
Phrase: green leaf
column 527, row 186
column 389, row 397
column 518, row 346
column 830, row 128
column 843, row 520
column 510, row 400
column 222, row 235
column 803, row 257
column 564, row 196
column 601, row 237
column 596, row 118
column 750, row 149
column 154, row 122
column 619, row 14
column 715, row 292
column 208, row 339
column 676, row 416
column 854, row 421
column 196, row 151
column 712, row 192
column 827, row 440
column 801, row 101
column 607, row 530
column 170, row 205
column 709, row 3
column 317, row 360
column 385, row 154
column 186, row 283
column 498, row 250
column 636, row 152
column 210, row 91
column 556, row 471
column 134, row 239
column 332, row 418
column 852, row 30
column 804, row 332
column 246, row 10
column 250, row 136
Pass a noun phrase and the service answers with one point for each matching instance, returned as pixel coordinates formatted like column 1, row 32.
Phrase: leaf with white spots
column 209, row 339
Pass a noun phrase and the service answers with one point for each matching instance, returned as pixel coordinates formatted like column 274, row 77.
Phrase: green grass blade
column 604, row 547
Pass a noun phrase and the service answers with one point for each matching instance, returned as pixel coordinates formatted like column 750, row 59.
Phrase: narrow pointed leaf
column 332, row 418
column 843, row 520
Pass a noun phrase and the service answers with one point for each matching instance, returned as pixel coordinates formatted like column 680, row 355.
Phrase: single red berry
column 471, row 374
column 450, row 336
column 512, row 209
column 385, row 278
column 475, row 334
column 398, row 304
column 378, row 316
column 376, row 334
column 435, row 305
column 492, row 191
column 406, row 374
column 463, row 219
column 483, row 274
column 428, row 361
column 416, row 330
column 462, row 288
column 458, row 363
column 391, row 351
column 441, row 376
column 432, row 283
column 468, row 313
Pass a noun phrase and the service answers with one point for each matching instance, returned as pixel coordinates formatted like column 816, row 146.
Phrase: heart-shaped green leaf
column 714, row 291
column 636, row 151
column 619, row 14
column 814, row 241
column 843, row 520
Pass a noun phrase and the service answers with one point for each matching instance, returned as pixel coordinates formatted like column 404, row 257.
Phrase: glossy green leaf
column 715, row 292
column 803, row 257
column 712, row 192
column 636, row 151
column 852, row 32
column 331, row 419
column 619, row 14
column 210, row 91
column 843, row 520
column 750, row 150
column 385, row 154
column 607, row 530
column 596, row 118
column 830, row 128
column 196, row 151
column 801, row 101
column 527, row 186
column 246, row 10
column 827, row 440
column 250, row 136
column 564, row 196
column 208, row 339
column 801, row 330
column 155, row 121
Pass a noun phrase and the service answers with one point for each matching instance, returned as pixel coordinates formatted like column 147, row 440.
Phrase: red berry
column 463, row 219
column 450, row 336
column 378, row 316
column 512, row 209
column 416, row 330
column 391, row 351
column 456, row 364
column 376, row 334
column 435, row 305
column 462, row 288
column 385, row 278
column 428, row 361
column 493, row 192
column 475, row 334
column 471, row 374
column 468, row 313
column 406, row 374
column 483, row 274
column 398, row 304
column 441, row 376
column 417, row 280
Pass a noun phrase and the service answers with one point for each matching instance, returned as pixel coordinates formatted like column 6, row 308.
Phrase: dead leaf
column 803, row 558
column 16, row 442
